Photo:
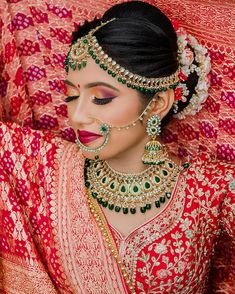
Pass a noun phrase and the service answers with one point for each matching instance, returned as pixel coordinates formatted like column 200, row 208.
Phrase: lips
column 87, row 137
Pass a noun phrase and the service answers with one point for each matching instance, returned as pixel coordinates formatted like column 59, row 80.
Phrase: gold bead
column 125, row 275
column 122, row 268
column 128, row 282
column 115, row 256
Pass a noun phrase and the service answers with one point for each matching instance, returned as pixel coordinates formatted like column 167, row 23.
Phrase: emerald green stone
column 97, row 61
column 147, row 185
column 87, row 184
column 105, row 67
column 186, row 165
column 123, row 189
column 168, row 195
column 109, row 72
column 157, row 179
column 94, row 195
column 98, row 172
column 124, row 81
column 93, row 56
column 142, row 209
column 104, row 203
column 101, row 65
column 120, row 80
column 91, row 52
column 170, row 164
column 125, row 210
column 87, row 163
column 148, row 206
column 162, row 199
column 104, row 180
column 79, row 66
column 112, row 186
column 111, row 206
column 133, row 87
column 84, row 63
column 133, row 210
column 117, row 208
column 165, row 173
column 85, row 41
column 135, row 189
column 157, row 203
column 113, row 75
column 99, row 200
column 128, row 85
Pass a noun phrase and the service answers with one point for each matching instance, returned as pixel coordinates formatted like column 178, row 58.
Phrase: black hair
column 141, row 39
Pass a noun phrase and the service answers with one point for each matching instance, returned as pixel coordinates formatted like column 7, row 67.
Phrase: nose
column 80, row 113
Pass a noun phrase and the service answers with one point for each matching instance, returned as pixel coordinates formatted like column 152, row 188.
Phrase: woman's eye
column 102, row 101
column 70, row 98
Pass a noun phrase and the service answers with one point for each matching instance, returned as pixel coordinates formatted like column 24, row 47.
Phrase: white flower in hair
column 193, row 57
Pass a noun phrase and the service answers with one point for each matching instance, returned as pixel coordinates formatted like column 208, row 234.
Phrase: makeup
column 87, row 137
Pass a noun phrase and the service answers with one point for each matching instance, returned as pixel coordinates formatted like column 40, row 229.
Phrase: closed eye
column 102, row 101
column 70, row 98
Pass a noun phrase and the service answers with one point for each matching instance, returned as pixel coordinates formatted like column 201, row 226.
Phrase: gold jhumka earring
column 154, row 153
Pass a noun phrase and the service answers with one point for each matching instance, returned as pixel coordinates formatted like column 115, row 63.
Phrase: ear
column 163, row 103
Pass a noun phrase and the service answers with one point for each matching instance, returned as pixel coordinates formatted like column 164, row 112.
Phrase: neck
column 131, row 161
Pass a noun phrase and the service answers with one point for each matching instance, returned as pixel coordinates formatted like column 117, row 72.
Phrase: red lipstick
column 87, row 137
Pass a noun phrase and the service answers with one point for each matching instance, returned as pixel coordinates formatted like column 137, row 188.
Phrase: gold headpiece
column 88, row 46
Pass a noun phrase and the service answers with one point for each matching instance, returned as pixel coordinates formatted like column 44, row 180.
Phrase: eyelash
column 98, row 101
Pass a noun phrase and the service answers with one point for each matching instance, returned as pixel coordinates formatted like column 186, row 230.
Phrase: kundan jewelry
column 88, row 46
column 129, row 192
column 192, row 57
column 154, row 153
column 104, row 130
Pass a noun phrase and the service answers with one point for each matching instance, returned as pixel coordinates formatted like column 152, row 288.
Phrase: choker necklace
column 129, row 192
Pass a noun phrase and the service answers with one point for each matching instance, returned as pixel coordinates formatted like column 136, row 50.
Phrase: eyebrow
column 91, row 85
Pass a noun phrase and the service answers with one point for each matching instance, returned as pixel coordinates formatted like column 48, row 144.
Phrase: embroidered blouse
column 51, row 243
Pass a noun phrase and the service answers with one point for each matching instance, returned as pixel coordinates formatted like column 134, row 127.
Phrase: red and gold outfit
column 50, row 242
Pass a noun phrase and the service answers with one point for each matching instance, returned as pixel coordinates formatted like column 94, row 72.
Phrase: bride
column 116, row 212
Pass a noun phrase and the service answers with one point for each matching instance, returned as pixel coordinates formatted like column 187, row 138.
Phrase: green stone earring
column 155, row 153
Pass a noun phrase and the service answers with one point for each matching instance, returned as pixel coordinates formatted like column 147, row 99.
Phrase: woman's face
column 100, row 98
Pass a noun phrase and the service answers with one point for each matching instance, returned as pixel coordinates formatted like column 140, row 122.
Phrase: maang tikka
column 154, row 153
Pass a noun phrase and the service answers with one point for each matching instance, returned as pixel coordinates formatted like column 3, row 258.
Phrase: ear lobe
column 164, row 102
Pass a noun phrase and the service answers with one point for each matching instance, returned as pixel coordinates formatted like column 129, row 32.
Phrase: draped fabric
column 35, row 37
column 50, row 242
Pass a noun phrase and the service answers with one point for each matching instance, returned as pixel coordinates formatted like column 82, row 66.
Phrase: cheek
column 119, row 116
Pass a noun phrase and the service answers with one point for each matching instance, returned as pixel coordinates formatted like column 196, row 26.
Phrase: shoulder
column 209, row 162
column 207, row 167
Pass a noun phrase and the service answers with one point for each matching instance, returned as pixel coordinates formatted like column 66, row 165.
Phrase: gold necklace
column 129, row 192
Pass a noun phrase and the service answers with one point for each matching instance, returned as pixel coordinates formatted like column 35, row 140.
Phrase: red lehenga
column 50, row 242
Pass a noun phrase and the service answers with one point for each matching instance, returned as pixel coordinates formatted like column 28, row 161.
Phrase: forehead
column 92, row 73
